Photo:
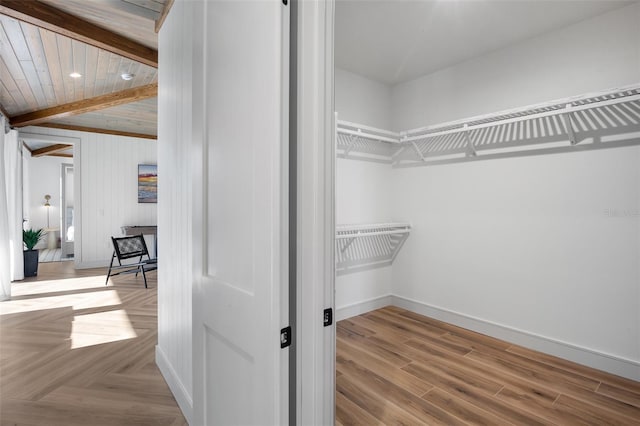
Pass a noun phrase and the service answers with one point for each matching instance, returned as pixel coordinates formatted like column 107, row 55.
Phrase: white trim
column 315, row 344
column 180, row 393
column 359, row 308
column 285, row 360
column 77, row 193
column 579, row 354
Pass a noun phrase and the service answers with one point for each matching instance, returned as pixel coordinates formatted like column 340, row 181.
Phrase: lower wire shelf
column 367, row 246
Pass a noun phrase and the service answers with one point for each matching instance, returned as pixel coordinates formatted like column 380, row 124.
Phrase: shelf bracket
column 398, row 152
column 569, row 125
column 352, row 141
column 418, row 151
column 346, row 246
column 471, row 150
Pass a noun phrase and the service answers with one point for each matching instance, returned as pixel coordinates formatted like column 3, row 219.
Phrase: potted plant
column 30, row 238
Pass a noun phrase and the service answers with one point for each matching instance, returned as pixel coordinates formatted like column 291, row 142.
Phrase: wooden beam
column 49, row 150
column 163, row 15
column 60, row 154
column 52, row 19
column 86, row 105
column 96, row 130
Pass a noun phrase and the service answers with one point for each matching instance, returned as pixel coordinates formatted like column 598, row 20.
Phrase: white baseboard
column 348, row 311
column 581, row 355
column 180, row 393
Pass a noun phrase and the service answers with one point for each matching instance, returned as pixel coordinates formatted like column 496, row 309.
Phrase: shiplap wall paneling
column 174, row 351
column 110, row 192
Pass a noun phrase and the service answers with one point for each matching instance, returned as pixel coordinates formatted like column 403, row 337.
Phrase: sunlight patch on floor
column 102, row 299
column 101, row 327
column 64, row 284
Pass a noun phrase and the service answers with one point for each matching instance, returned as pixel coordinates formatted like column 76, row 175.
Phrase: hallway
column 76, row 352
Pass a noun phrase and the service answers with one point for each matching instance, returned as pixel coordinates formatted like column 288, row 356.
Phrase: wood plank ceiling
column 43, row 42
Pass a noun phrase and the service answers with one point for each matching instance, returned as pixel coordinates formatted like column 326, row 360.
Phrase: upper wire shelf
column 595, row 120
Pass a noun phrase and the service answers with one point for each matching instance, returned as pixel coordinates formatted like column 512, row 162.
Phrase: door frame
column 64, row 167
column 315, row 344
column 77, row 184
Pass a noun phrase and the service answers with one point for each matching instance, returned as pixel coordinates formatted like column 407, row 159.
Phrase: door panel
column 240, row 237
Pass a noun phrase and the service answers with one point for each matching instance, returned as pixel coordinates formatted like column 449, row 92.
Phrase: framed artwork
column 147, row 183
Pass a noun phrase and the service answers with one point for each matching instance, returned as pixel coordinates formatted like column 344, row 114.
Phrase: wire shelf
column 604, row 119
column 368, row 246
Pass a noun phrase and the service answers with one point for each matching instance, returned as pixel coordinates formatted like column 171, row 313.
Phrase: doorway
column 49, row 187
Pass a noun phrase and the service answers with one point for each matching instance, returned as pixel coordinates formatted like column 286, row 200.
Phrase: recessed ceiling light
column 127, row 76
column 75, row 75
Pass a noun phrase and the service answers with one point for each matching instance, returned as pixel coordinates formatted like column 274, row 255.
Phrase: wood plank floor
column 76, row 352
column 397, row 367
column 52, row 255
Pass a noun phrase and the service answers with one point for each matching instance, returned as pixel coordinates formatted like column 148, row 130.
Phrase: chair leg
column 139, row 260
column 144, row 276
column 110, row 266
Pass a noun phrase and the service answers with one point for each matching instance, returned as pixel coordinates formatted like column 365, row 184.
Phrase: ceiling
column 49, row 149
column 43, row 42
column 398, row 40
column 36, row 64
column 134, row 19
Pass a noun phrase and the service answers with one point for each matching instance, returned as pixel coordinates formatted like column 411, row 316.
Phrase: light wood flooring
column 76, row 352
column 397, row 367
column 52, row 255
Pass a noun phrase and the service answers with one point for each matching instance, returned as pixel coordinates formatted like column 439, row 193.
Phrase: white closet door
column 240, row 229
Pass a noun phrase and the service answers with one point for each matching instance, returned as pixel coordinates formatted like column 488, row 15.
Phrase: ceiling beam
column 58, row 21
column 49, row 150
column 163, row 15
column 86, row 105
column 97, row 130
column 61, row 154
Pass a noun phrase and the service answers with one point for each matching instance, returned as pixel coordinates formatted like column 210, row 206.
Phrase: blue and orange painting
column 147, row 183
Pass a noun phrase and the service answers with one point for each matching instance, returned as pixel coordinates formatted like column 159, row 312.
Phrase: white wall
column 361, row 100
column 531, row 244
column 44, row 178
column 174, row 350
column 596, row 54
column 541, row 250
column 363, row 191
column 109, row 190
column 362, row 188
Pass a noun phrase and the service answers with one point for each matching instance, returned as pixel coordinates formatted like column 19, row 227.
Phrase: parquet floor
column 76, row 352
column 397, row 367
